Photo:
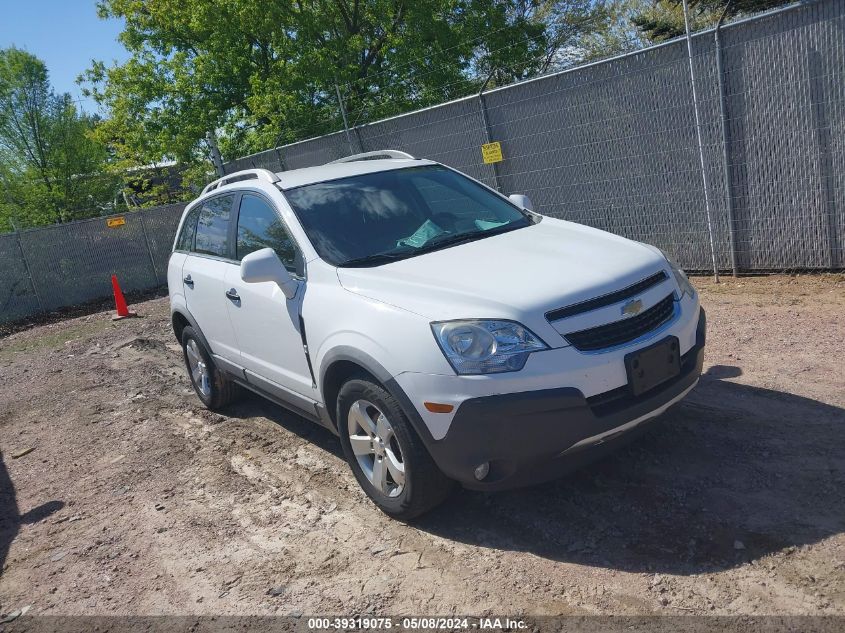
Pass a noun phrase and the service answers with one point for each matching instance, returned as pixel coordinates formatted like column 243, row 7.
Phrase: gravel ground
column 136, row 500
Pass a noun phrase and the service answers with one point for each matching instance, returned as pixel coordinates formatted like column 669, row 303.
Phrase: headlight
column 476, row 346
column 680, row 277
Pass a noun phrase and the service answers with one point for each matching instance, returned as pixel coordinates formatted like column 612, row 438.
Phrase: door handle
column 232, row 294
column 187, row 279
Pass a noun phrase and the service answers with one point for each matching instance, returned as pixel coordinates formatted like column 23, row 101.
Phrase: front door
column 267, row 325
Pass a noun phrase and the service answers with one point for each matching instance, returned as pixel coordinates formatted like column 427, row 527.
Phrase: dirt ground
column 136, row 500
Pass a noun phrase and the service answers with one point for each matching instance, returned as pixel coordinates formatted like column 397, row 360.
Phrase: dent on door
column 268, row 328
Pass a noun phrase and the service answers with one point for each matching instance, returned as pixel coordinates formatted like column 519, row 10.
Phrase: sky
column 65, row 34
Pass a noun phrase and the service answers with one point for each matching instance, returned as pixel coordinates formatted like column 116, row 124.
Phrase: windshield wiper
column 375, row 260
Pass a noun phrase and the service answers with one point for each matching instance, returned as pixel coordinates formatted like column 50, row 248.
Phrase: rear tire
column 388, row 458
column 212, row 386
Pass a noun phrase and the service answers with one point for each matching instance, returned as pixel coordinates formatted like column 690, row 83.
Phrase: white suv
column 445, row 332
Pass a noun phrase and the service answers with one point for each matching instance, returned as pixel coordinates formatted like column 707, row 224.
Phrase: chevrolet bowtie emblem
column 632, row 307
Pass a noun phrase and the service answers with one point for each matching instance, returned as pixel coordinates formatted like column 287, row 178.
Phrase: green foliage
column 262, row 73
column 258, row 74
column 660, row 20
column 617, row 33
column 158, row 184
column 51, row 168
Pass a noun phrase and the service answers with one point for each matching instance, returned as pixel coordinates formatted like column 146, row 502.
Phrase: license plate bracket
column 652, row 366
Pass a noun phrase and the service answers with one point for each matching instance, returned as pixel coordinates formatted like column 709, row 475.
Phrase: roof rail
column 244, row 174
column 384, row 153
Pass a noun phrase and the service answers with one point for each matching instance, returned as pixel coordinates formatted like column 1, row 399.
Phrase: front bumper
column 534, row 436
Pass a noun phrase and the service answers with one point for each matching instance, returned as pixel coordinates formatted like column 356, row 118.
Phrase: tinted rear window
column 213, row 227
column 189, row 229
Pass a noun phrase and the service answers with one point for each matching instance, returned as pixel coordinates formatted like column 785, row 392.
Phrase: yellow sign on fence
column 492, row 153
column 113, row 223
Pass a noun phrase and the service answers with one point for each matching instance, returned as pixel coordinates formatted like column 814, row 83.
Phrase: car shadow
column 253, row 405
column 730, row 475
column 10, row 517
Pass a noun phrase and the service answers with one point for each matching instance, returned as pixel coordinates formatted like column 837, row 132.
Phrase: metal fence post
column 345, row 121
column 486, row 123
column 723, row 112
column 216, row 157
column 358, row 138
column 26, row 266
column 280, row 159
column 700, row 145
column 149, row 248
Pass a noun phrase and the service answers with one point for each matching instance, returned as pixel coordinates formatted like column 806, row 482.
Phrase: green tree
column 261, row 73
column 660, row 20
column 51, row 169
column 617, row 32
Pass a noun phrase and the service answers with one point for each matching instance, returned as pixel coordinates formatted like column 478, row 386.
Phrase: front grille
column 620, row 332
column 608, row 299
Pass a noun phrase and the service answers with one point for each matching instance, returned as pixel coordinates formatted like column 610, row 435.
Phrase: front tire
column 212, row 386
column 384, row 452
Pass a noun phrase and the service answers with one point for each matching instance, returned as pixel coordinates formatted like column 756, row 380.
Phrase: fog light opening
column 482, row 470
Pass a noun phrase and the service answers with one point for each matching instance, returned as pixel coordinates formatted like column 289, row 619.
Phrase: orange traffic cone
column 119, row 302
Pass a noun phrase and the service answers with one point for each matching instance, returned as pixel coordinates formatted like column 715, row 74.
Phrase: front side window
column 259, row 226
column 213, row 227
column 374, row 218
column 189, row 229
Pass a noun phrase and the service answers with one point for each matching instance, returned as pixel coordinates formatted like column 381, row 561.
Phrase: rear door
column 204, row 275
column 182, row 249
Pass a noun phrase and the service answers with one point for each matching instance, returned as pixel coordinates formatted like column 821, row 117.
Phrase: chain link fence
column 611, row 144
column 67, row 264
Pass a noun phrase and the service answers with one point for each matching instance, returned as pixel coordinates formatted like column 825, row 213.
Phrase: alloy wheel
column 199, row 369
column 376, row 448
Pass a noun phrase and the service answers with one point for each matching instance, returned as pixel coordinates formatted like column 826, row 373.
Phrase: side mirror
column 523, row 202
column 265, row 265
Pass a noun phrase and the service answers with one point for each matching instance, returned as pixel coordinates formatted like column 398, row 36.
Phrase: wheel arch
column 180, row 319
column 179, row 322
column 343, row 362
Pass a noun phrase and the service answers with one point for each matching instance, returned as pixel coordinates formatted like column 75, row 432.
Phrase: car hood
column 519, row 275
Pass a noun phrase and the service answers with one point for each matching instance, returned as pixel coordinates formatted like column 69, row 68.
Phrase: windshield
column 389, row 215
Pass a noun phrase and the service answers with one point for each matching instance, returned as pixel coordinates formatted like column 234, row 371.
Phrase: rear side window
column 189, row 229
column 213, row 227
column 259, row 226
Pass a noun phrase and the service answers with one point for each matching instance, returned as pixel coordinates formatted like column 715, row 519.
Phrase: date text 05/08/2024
column 416, row 623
